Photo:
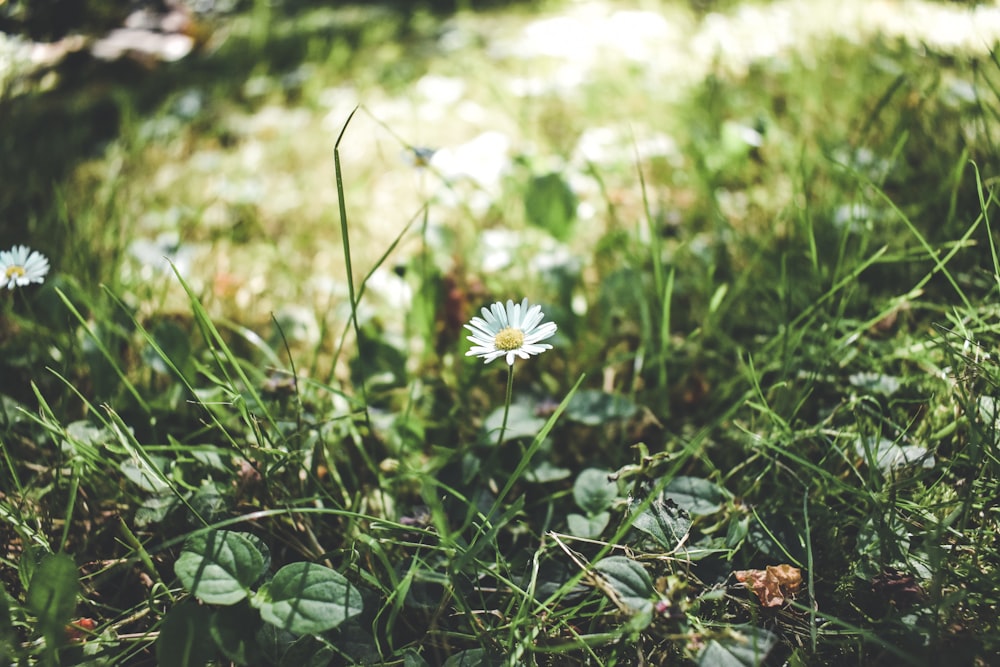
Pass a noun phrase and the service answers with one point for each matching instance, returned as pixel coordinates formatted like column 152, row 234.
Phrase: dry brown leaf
column 773, row 586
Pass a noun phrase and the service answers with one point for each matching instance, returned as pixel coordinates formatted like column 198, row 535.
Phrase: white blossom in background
column 22, row 266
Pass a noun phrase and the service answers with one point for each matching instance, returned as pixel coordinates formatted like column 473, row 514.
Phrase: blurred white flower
column 21, row 266
column 441, row 89
column 483, row 160
column 512, row 331
column 153, row 256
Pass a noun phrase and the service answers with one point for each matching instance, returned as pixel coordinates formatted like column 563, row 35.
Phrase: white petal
column 500, row 314
column 531, row 319
column 479, row 327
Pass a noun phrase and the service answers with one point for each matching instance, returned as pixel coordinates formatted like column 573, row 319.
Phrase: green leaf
column 696, row 495
column 876, row 383
column 272, row 642
column 52, row 594
column 86, row 441
column 154, row 509
column 522, row 423
column 989, row 411
column 140, row 474
column 665, row 522
column 889, row 455
column 587, row 526
column 593, row 491
column 306, row 598
column 413, row 659
column 629, row 580
column 220, row 567
column 746, row 646
column 593, row 407
column 549, row 203
column 232, row 629
column 546, row 472
column 6, row 619
column 308, row 651
column 184, row 639
column 473, row 657
column 31, row 557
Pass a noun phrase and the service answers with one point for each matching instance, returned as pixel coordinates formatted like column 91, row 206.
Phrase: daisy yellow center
column 15, row 271
column 509, row 339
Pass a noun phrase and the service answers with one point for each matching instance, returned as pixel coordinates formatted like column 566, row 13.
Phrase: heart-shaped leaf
column 593, row 491
column 696, row 495
column 630, row 582
column 665, row 522
column 306, row 598
column 587, row 526
column 746, row 646
column 220, row 567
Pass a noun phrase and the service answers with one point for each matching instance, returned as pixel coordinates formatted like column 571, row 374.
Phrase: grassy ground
column 767, row 432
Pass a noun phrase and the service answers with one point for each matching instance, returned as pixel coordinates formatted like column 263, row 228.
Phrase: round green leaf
column 630, row 582
column 220, row 567
column 587, row 526
column 522, row 423
column 696, row 495
column 747, row 646
column 52, row 592
column 594, row 407
column 306, row 598
column 593, row 491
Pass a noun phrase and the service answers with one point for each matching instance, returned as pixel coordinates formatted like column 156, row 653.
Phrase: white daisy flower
column 21, row 266
column 514, row 331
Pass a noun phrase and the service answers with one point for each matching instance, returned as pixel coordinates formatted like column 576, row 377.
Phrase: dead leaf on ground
column 899, row 588
column 774, row 585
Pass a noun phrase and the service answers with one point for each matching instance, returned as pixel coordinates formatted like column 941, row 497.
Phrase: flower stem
column 506, row 405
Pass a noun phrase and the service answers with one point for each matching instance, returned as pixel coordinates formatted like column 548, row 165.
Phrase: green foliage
column 594, row 493
column 306, row 598
column 549, row 203
column 743, row 647
column 52, row 596
column 594, row 407
column 220, row 567
column 665, row 522
column 694, row 495
column 629, row 582
column 775, row 287
column 185, row 639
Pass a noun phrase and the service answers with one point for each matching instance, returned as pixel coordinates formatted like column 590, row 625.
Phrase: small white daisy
column 21, row 266
column 514, row 331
